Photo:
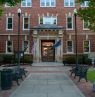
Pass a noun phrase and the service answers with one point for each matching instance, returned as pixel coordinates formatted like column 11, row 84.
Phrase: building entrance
column 47, row 51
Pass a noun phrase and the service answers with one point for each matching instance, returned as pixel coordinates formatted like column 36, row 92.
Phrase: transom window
column 47, row 3
column 69, row 3
column 86, row 46
column 25, row 23
column 69, row 46
column 85, row 4
column 26, row 3
column 48, row 20
column 9, row 23
column 26, row 46
column 9, row 46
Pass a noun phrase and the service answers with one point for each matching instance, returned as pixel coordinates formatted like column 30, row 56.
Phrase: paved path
column 47, row 80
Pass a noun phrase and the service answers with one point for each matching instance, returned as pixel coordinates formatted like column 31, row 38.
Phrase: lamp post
column 75, row 15
column 19, row 14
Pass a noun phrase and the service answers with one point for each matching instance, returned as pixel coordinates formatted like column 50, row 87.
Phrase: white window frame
column 6, row 5
column 89, row 47
column 69, row 4
column 45, row 1
column 85, row 4
column 23, row 46
column 51, row 19
column 26, row 3
column 67, row 23
column 7, row 47
column 28, row 22
column 72, row 47
column 7, row 22
column 84, row 27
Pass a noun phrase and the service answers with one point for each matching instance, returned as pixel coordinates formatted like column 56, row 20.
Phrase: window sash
column 86, row 46
column 69, row 46
column 9, row 47
column 26, row 3
column 69, row 23
column 69, row 3
column 9, row 23
column 26, row 46
column 25, row 23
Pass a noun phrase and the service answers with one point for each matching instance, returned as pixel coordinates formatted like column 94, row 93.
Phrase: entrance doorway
column 47, row 51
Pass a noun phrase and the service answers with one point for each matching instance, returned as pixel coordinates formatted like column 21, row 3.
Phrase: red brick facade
column 36, row 10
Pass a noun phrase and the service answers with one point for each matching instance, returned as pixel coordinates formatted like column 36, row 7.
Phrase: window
column 9, row 47
column 47, row 3
column 69, row 46
column 69, row 3
column 26, row 46
column 86, row 46
column 25, row 23
column 9, row 24
column 85, row 4
column 69, row 22
column 7, row 5
column 85, row 25
column 48, row 20
column 26, row 3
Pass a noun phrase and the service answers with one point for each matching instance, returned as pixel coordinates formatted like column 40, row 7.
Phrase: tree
column 9, row 2
column 88, row 13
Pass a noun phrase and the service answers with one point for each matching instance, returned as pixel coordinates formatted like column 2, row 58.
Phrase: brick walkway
column 85, row 87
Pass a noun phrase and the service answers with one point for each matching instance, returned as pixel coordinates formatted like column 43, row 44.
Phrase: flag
column 58, row 43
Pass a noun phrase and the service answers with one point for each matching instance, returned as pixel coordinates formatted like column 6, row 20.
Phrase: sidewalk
column 47, row 80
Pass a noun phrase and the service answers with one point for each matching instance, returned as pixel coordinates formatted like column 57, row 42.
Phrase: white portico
column 44, row 37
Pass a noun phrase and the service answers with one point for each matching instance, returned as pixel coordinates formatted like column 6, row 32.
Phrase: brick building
column 42, row 24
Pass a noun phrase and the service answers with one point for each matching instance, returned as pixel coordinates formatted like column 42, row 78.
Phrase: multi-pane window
column 47, row 20
column 26, row 3
column 85, row 25
column 9, row 23
column 26, row 46
column 69, row 3
column 47, row 3
column 85, row 4
column 9, row 46
column 69, row 46
column 69, row 22
column 25, row 23
column 86, row 46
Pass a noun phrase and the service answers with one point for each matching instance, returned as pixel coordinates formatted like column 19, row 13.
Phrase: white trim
column 26, row 3
column 72, row 47
column 69, row 4
column 85, row 28
column 11, row 47
column 49, row 3
column 85, row 4
column 89, row 47
column 72, row 22
column 28, row 22
column 7, row 22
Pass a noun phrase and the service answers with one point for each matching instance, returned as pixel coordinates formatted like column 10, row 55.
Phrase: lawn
column 91, row 75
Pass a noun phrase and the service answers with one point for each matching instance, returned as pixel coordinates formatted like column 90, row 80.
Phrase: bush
column 82, row 59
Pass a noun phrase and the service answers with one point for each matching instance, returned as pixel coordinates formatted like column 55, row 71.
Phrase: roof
column 48, row 26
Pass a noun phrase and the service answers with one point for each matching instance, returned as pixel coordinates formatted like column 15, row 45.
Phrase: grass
column 91, row 75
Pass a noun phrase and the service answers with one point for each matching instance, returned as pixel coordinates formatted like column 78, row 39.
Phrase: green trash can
column 6, row 79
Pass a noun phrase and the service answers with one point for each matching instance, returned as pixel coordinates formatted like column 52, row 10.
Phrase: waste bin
column 6, row 79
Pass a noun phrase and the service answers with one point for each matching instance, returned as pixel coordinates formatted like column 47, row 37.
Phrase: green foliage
column 88, row 13
column 91, row 75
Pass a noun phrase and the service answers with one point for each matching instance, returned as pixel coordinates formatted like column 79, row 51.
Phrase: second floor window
column 26, row 3
column 69, row 3
column 86, row 46
column 9, row 47
column 69, row 46
column 9, row 23
column 25, row 23
column 47, row 3
column 69, row 22
column 85, row 25
column 85, row 4
column 48, row 20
